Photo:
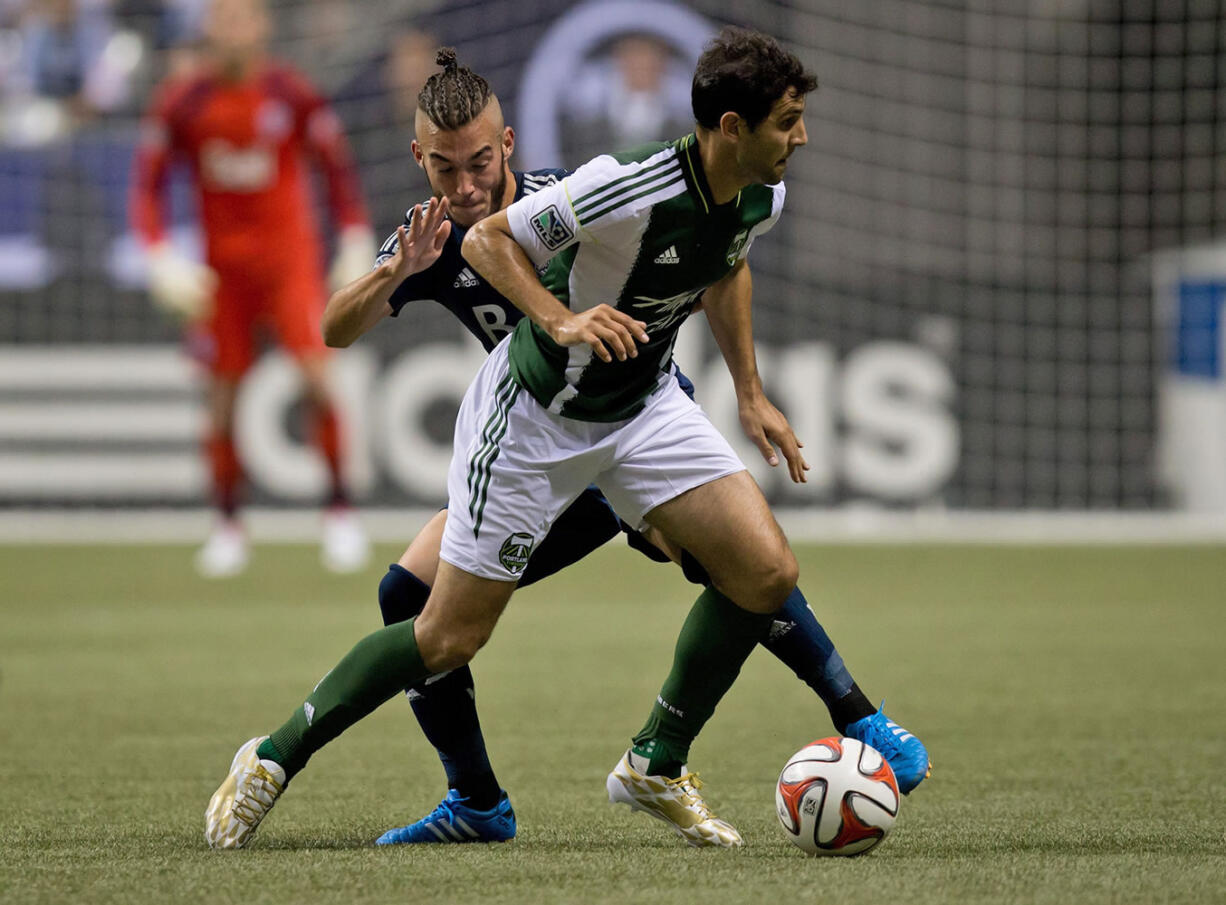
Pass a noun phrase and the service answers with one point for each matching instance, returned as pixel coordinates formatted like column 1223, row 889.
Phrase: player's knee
column 784, row 575
column 454, row 647
column 779, row 570
column 765, row 585
column 454, row 653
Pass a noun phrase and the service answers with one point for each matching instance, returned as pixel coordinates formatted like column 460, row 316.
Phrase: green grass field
column 1073, row 701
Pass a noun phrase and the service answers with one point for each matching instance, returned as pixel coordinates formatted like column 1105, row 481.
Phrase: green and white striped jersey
column 637, row 230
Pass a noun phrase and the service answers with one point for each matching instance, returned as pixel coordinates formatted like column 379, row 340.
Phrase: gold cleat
column 244, row 799
column 675, row 801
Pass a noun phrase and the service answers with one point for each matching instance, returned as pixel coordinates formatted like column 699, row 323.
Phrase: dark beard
column 502, row 183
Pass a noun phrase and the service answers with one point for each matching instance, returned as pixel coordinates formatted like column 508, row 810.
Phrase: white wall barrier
column 100, row 424
column 1190, row 305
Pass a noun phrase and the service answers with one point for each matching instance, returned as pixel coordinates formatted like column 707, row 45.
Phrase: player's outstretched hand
column 610, row 333
column 766, row 426
column 355, row 249
column 179, row 285
column 420, row 243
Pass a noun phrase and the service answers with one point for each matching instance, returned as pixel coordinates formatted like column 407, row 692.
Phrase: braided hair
column 454, row 97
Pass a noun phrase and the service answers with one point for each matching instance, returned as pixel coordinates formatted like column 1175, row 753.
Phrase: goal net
column 955, row 309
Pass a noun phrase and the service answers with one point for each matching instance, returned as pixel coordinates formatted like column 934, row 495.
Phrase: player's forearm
column 356, row 307
column 728, row 306
column 491, row 249
column 145, row 197
column 326, row 138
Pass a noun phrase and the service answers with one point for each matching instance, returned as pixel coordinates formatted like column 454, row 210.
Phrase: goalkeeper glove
column 180, row 285
column 355, row 256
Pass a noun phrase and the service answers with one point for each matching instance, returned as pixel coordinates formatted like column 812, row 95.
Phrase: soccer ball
column 836, row 796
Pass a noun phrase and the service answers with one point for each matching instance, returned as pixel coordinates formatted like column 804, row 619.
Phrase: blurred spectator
column 410, row 61
column 381, row 103
column 638, row 92
column 325, row 26
column 164, row 25
column 10, row 12
column 62, row 66
column 245, row 126
column 181, row 22
column 68, row 56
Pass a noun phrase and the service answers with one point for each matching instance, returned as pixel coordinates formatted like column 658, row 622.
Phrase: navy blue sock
column 800, row 642
column 445, row 707
column 402, row 595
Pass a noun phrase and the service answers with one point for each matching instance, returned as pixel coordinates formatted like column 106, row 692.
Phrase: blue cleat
column 454, row 821
column 905, row 753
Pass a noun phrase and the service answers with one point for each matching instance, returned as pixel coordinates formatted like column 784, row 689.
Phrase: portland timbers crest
column 737, row 246
column 515, row 552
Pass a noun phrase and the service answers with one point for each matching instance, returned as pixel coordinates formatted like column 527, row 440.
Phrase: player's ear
column 418, row 154
column 508, row 141
column 730, row 126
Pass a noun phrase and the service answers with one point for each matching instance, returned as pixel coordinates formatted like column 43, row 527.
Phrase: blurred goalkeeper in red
column 245, row 125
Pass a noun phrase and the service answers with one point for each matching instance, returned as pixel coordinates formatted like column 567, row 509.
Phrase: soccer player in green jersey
column 630, row 242
column 584, row 392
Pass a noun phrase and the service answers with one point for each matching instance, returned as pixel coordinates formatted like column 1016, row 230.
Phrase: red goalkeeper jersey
column 247, row 144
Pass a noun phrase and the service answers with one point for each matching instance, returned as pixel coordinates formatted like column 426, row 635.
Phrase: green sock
column 716, row 639
column 378, row 668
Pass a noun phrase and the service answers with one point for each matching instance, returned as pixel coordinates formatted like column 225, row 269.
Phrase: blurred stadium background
column 993, row 311
column 995, row 289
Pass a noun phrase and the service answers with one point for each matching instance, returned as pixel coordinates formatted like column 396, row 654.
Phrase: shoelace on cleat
column 884, row 735
column 442, row 813
column 261, row 791
column 688, row 785
column 886, row 742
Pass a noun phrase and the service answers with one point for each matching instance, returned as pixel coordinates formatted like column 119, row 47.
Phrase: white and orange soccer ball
column 837, row 796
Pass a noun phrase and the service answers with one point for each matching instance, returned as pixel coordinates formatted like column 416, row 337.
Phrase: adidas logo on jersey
column 466, row 279
column 668, row 256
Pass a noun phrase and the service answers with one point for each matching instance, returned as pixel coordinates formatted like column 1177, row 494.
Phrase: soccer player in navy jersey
column 464, row 147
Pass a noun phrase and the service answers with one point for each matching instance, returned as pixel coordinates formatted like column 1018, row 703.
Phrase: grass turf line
column 1067, row 696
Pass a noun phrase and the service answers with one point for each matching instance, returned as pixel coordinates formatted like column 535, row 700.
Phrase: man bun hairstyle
column 454, row 97
column 744, row 72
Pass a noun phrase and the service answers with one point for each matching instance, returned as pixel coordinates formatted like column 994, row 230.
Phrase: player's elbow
column 474, row 241
column 335, row 336
column 335, row 340
column 480, row 245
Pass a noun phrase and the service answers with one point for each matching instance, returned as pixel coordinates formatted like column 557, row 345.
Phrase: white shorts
column 516, row 466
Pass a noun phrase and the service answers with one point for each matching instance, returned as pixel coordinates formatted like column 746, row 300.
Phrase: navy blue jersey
column 452, row 283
